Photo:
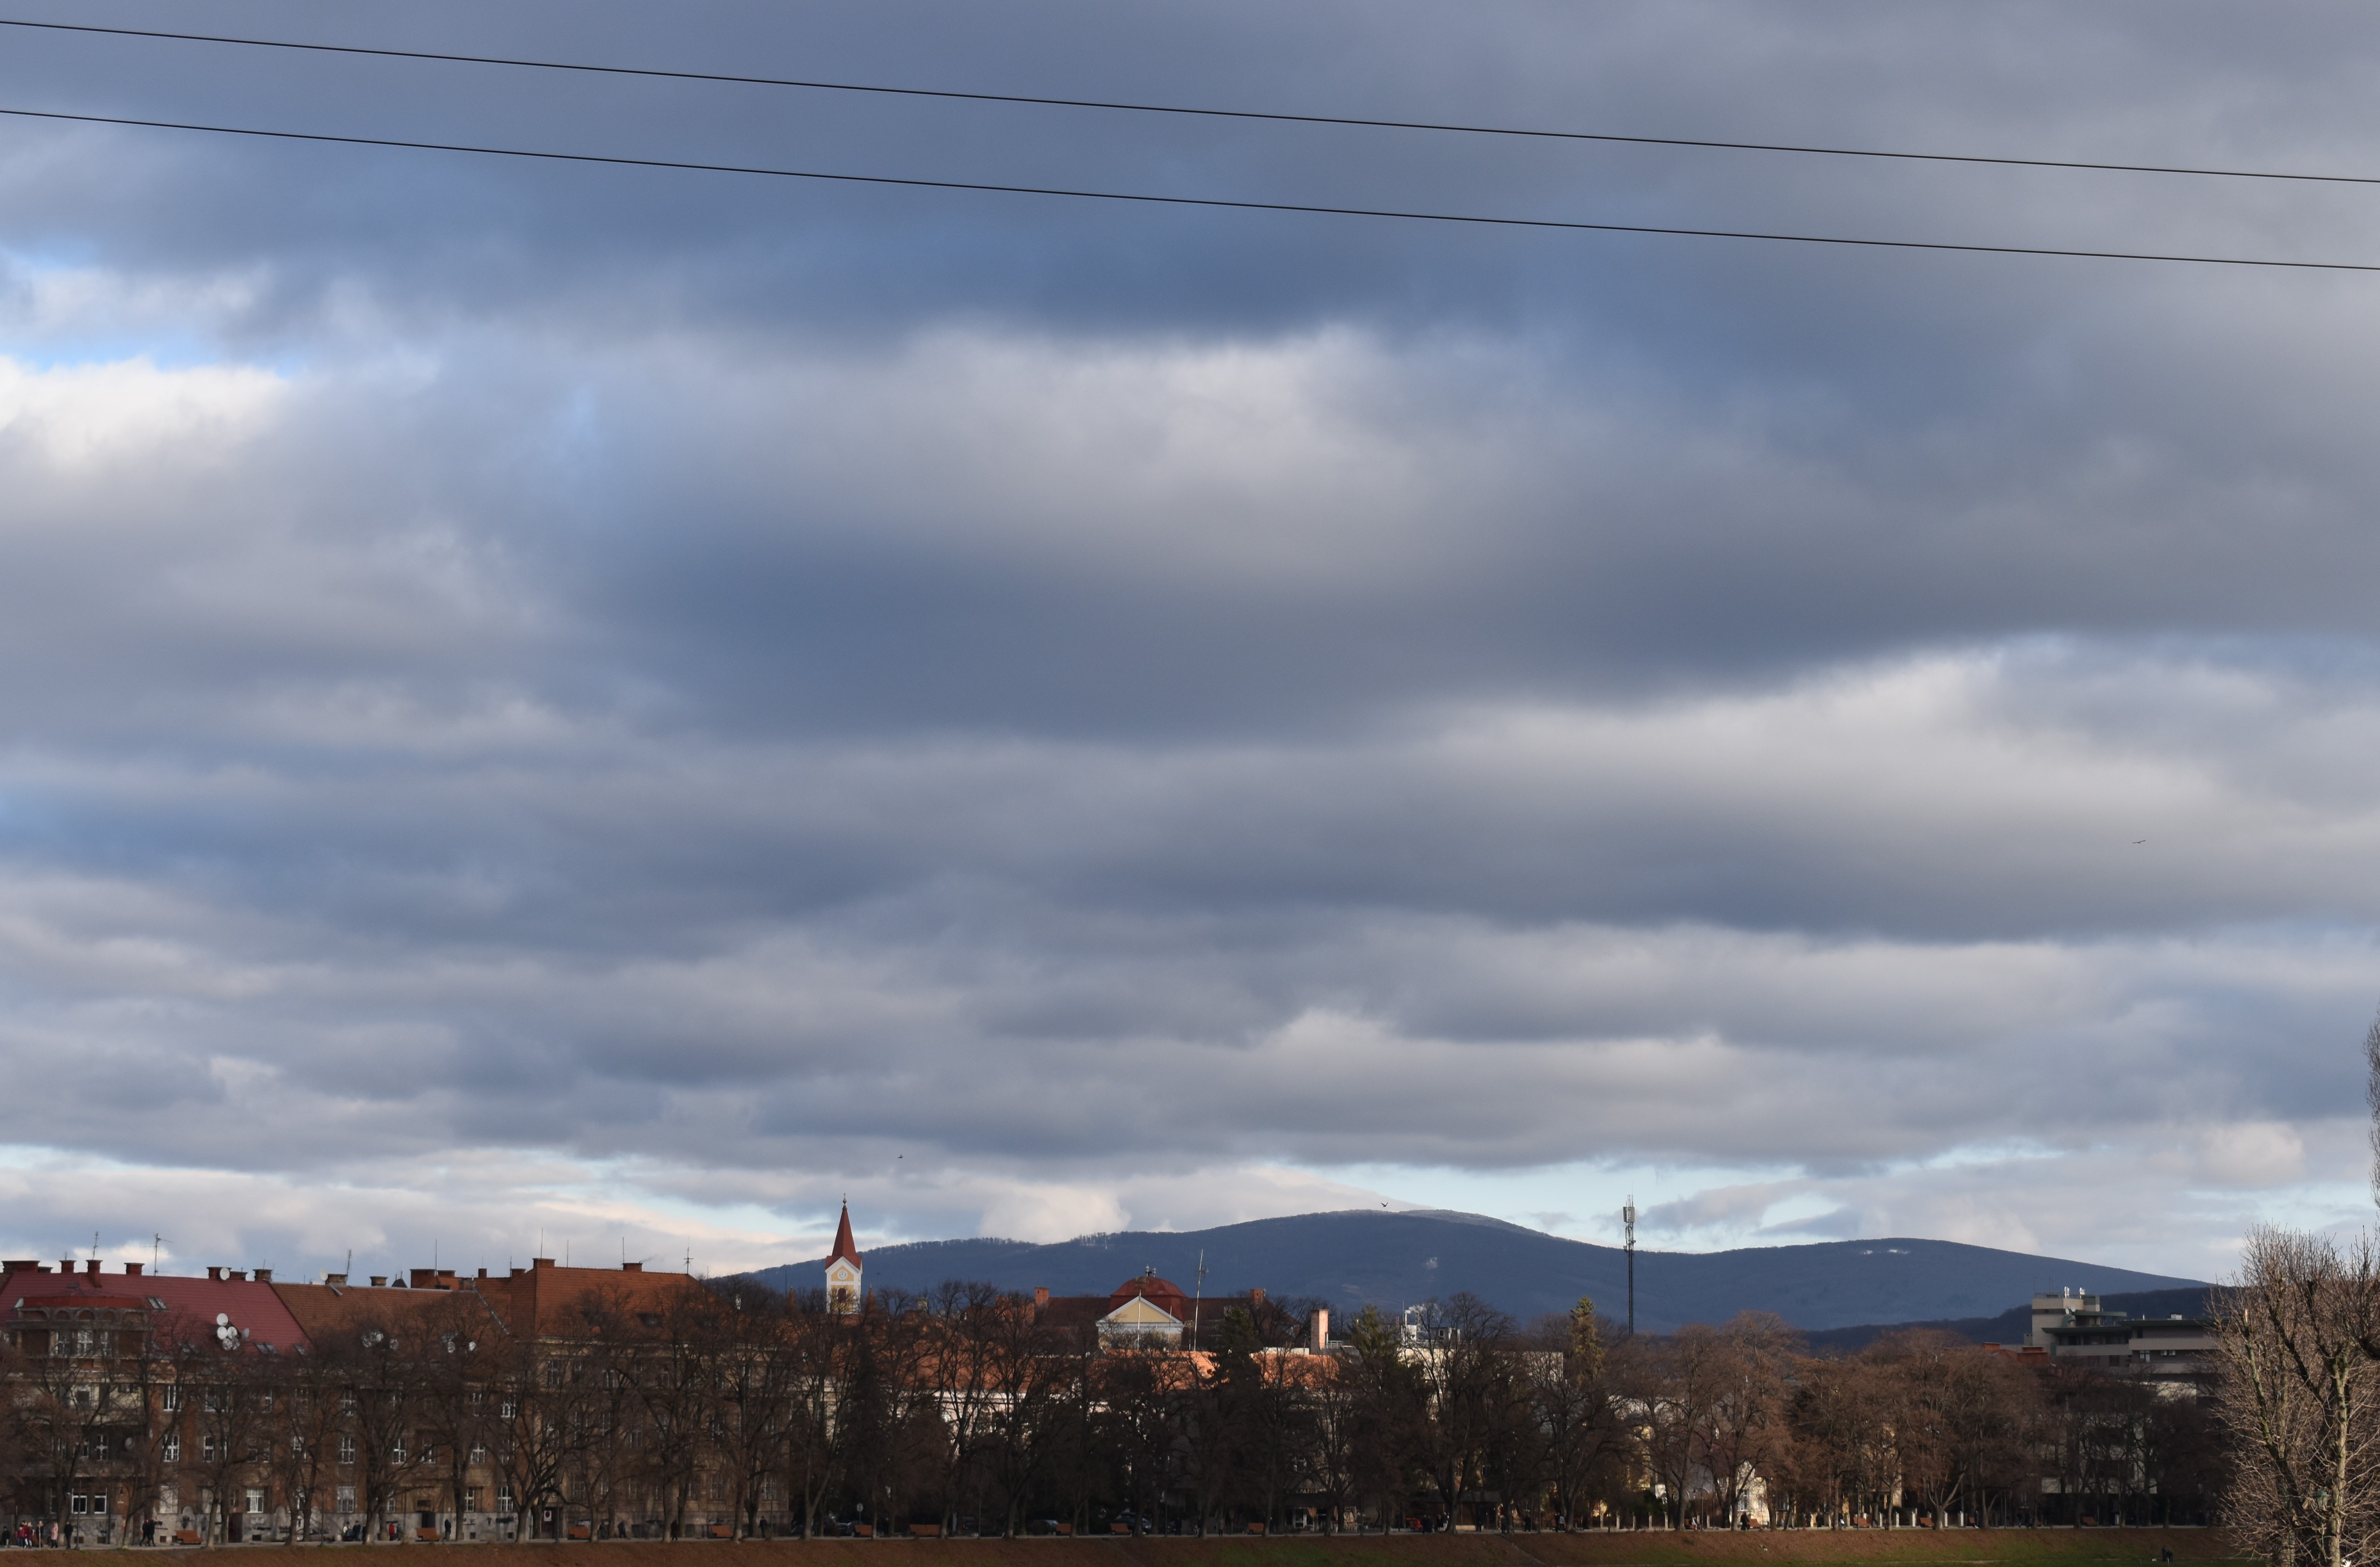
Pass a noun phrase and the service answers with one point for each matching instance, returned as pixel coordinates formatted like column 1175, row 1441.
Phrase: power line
column 1128, row 107
column 1147, row 198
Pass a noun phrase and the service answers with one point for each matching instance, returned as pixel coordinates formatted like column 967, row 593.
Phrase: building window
column 346, row 1449
column 504, row 1499
column 346, row 1498
column 478, row 1452
column 212, row 1402
column 507, row 1410
column 173, row 1447
column 172, row 1398
column 206, row 1449
column 255, row 1500
column 471, row 1499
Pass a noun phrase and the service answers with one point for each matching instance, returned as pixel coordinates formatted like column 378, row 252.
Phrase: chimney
column 22, row 1265
column 132, row 1270
column 536, row 1262
column 483, row 1273
column 264, row 1275
column 377, row 1279
column 1041, row 1296
column 335, row 1278
column 215, row 1273
column 91, row 1267
column 632, row 1268
column 1318, row 1329
column 67, row 1266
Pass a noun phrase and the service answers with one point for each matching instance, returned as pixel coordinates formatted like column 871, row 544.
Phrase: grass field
column 1918, row 1548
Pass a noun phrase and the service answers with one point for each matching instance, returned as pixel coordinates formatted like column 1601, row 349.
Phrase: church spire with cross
column 843, row 1269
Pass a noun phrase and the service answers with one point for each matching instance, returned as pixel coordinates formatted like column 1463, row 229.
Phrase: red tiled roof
column 1163, row 1293
column 543, row 1300
column 329, row 1312
column 186, row 1308
column 844, row 1244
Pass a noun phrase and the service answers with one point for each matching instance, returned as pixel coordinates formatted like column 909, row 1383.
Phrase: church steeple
column 843, row 1269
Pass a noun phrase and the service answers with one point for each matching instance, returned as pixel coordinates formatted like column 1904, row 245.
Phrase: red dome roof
column 1162, row 1292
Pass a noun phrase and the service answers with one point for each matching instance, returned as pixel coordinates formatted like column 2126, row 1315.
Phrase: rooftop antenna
column 156, row 1245
column 1628, row 1221
column 1197, row 1283
column 94, row 1245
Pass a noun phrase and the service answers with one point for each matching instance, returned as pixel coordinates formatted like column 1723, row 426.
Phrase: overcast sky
column 607, row 708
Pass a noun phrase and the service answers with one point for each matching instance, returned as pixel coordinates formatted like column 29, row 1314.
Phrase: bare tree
column 1960, row 1423
column 2298, row 1397
column 1457, row 1363
column 820, row 1365
column 1585, row 1437
column 306, row 1437
column 1673, row 1386
column 1335, row 1415
column 1030, row 1413
column 1738, row 1415
column 454, row 1346
column 755, row 1383
column 228, row 1411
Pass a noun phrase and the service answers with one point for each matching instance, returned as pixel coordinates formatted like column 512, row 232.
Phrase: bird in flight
column 2138, row 841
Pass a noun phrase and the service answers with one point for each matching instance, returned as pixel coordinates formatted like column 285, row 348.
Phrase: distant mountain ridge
column 1356, row 1257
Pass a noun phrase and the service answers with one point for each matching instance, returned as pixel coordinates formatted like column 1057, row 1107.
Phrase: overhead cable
column 1207, row 113
column 1151, row 198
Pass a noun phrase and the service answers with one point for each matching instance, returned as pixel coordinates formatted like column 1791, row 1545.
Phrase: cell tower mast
column 1628, row 1222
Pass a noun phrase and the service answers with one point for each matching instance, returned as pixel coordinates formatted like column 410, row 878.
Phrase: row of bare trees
column 422, row 1407
column 737, row 1407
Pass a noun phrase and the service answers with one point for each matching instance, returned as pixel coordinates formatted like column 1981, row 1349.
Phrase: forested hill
column 1394, row 1259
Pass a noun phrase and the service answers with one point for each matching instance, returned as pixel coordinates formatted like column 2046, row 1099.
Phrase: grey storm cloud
column 637, row 698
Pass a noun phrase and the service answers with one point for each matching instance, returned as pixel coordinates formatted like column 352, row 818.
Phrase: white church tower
column 843, row 1297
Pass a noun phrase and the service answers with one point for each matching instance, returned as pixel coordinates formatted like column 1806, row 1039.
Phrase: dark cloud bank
column 635, row 699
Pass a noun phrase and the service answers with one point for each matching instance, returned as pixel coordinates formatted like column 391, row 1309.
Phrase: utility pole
column 1628, row 1220
column 1198, row 1300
